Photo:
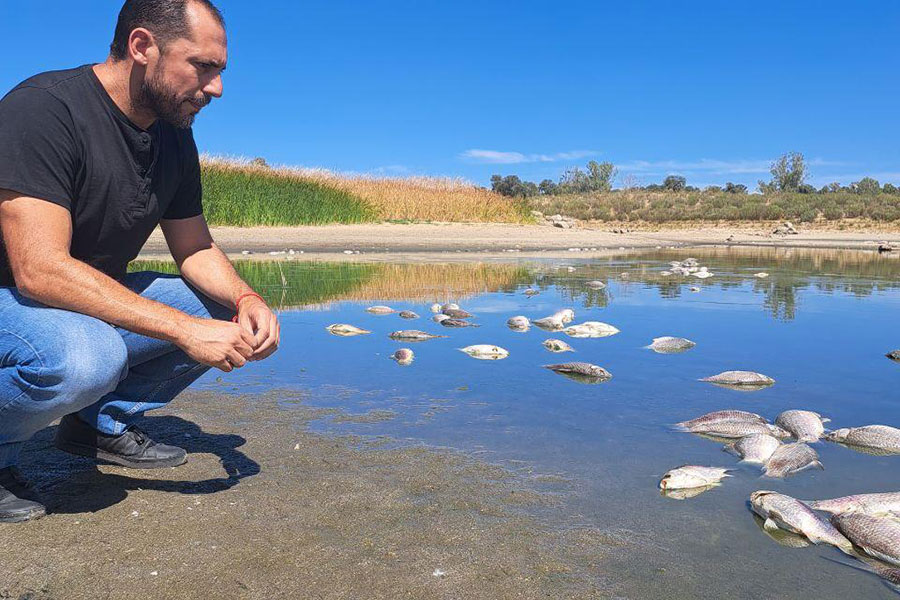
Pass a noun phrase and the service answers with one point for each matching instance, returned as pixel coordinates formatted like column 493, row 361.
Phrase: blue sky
column 709, row 90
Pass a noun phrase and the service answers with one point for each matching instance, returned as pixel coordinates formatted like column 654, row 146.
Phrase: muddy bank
column 266, row 509
column 390, row 240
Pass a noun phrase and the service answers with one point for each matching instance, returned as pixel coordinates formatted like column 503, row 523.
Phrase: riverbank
column 390, row 240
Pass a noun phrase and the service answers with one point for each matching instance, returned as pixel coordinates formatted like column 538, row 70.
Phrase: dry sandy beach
column 333, row 241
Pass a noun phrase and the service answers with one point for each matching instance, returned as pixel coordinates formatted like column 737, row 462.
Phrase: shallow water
column 820, row 324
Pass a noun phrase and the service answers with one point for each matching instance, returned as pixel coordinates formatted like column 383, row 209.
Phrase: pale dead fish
column 666, row 273
column 685, row 493
column 761, row 275
column 435, row 308
column 740, row 379
column 671, row 345
column 868, row 503
column 692, row 476
column 439, row 317
column 532, row 292
column 724, row 416
column 518, row 323
column 566, row 315
column 702, row 274
column 784, row 512
column 756, row 448
column 380, row 310
column 789, row 459
column 344, row 330
column 877, row 437
column 413, row 335
column 595, row 285
column 450, row 306
column 403, row 356
column 581, row 371
column 485, row 352
column 408, row 314
column 780, row 536
column 456, row 313
column 737, row 429
column 806, row 425
column 549, row 323
column 877, row 536
column 557, row 346
column 449, row 322
column 590, row 329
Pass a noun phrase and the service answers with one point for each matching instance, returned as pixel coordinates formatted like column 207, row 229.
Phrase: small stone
column 154, row 573
column 438, row 573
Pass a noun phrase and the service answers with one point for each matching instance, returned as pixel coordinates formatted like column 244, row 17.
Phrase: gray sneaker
column 18, row 500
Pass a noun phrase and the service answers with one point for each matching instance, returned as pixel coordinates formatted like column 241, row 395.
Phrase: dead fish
column 666, row 273
column 685, row 493
column 456, row 313
column 439, row 317
column 868, row 503
column 702, row 274
column 448, row 322
column 806, row 425
column 413, row 335
column 595, row 285
column 671, row 345
column 485, row 352
column 756, row 448
column 877, row 536
column 790, row 459
column 894, row 355
column 435, row 308
column 761, row 275
column 380, row 310
column 408, row 314
column 590, row 329
column 724, row 416
column 549, row 323
column 780, row 536
column 518, row 322
column 784, row 512
column 737, row 429
column 532, row 292
column 581, row 369
column 876, row 437
column 740, row 379
column 403, row 356
column 692, row 476
column 450, row 306
column 557, row 346
column 344, row 330
column 694, row 289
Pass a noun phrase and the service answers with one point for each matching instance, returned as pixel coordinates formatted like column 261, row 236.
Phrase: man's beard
column 158, row 98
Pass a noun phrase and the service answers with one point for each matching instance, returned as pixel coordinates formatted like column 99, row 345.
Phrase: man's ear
column 141, row 44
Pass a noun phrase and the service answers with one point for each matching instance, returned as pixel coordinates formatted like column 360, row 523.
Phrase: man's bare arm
column 37, row 235
column 206, row 267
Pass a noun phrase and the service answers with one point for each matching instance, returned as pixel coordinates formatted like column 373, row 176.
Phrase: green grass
column 662, row 207
column 253, row 197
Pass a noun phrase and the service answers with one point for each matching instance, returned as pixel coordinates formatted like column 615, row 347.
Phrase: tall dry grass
column 239, row 182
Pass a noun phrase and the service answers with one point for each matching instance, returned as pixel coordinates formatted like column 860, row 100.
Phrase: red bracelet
column 237, row 303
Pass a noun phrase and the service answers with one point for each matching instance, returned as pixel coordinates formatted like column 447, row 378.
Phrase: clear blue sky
column 710, row 90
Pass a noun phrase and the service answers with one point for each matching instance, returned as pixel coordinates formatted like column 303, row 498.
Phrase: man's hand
column 219, row 344
column 257, row 319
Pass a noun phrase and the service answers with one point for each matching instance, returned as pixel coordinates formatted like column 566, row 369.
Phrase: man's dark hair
column 165, row 19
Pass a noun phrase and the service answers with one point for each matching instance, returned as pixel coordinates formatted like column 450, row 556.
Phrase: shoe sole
column 92, row 452
column 21, row 517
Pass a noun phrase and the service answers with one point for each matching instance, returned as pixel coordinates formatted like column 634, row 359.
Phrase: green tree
column 735, row 188
column 548, row 187
column 890, row 188
column 866, row 186
column 788, row 173
column 600, row 175
column 674, row 183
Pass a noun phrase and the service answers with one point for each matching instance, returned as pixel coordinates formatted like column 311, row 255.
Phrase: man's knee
column 86, row 360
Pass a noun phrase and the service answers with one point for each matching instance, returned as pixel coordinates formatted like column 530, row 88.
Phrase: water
column 820, row 324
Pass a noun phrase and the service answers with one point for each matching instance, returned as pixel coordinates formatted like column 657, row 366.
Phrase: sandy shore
column 265, row 509
column 390, row 240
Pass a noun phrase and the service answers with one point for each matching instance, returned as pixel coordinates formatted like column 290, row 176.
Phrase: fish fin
column 676, row 427
column 771, row 525
column 818, row 464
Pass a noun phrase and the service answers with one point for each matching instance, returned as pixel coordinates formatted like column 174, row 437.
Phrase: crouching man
column 92, row 159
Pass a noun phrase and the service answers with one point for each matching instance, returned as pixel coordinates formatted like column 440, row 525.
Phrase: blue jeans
column 55, row 362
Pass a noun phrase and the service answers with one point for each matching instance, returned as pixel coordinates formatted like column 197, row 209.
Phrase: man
column 91, row 160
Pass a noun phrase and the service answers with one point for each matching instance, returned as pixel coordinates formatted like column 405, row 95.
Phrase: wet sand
column 389, row 241
column 267, row 509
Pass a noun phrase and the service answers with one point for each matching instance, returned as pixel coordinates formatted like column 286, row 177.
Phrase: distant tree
column 597, row 178
column 788, row 173
column 513, row 187
column 548, row 187
column 654, row 187
column 674, row 183
column 259, row 161
column 890, row 188
column 630, row 182
column 834, row 187
column 691, row 188
column 866, row 186
column 712, row 189
column 735, row 188
column 805, row 188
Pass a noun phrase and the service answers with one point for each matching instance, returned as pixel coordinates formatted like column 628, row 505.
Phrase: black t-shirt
column 64, row 140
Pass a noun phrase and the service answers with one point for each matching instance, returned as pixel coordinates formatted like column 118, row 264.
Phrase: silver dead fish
column 403, row 356
column 518, row 323
column 591, row 329
column 456, row 313
column 737, row 429
column 740, row 379
column 876, row 536
column 756, row 448
column 557, row 346
column 784, row 512
column 692, row 476
column 595, row 285
column 380, row 310
column 412, row 335
column 450, row 322
column 485, row 352
column 877, row 437
column 790, row 459
column 868, row 503
column 724, row 416
column 345, row 330
column 806, row 425
column 671, row 345
column 408, row 314
column 581, row 371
